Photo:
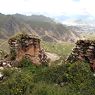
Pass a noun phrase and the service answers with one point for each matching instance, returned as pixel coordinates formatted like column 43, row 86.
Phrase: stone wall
column 84, row 51
column 25, row 45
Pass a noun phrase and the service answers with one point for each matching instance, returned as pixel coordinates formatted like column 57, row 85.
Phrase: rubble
column 84, row 51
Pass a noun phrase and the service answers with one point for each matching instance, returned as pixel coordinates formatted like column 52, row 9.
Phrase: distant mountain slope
column 42, row 26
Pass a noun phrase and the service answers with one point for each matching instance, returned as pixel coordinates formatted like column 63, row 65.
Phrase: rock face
column 84, row 51
column 25, row 45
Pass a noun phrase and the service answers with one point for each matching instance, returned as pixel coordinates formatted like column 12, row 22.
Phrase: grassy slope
column 4, row 45
column 89, row 36
column 62, row 49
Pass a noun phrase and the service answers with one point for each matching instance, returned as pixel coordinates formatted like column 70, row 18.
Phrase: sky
column 48, row 7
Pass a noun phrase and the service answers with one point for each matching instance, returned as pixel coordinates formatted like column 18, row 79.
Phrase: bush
column 17, row 83
column 77, row 77
column 68, row 79
column 25, row 62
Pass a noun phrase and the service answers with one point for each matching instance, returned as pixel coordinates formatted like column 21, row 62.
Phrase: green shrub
column 17, row 83
column 67, row 79
column 25, row 62
column 77, row 77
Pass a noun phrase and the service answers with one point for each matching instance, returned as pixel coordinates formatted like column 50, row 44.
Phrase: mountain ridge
column 47, row 28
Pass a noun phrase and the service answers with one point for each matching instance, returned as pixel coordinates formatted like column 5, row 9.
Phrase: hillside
column 45, row 27
column 66, row 79
column 58, row 79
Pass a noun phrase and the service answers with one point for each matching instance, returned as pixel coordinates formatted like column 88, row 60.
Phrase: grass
column 4, row 45
column 88, row 36
column 62, row 49
column 91, row 36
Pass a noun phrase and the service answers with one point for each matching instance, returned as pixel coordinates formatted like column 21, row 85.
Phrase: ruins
column 26, row 45
column 84, row 51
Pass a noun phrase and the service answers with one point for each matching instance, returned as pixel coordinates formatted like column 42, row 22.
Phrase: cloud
column 76, row 0
column 50, row 7
column 89, row 6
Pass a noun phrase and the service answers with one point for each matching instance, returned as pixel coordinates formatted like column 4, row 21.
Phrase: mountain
column 47, row 28
column 82, row 24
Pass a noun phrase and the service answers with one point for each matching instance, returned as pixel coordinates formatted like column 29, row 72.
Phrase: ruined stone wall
column 24, row 45
column 31, row 52
column 84, row 51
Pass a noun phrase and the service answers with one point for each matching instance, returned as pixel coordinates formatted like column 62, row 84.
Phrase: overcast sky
column 48, row 7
